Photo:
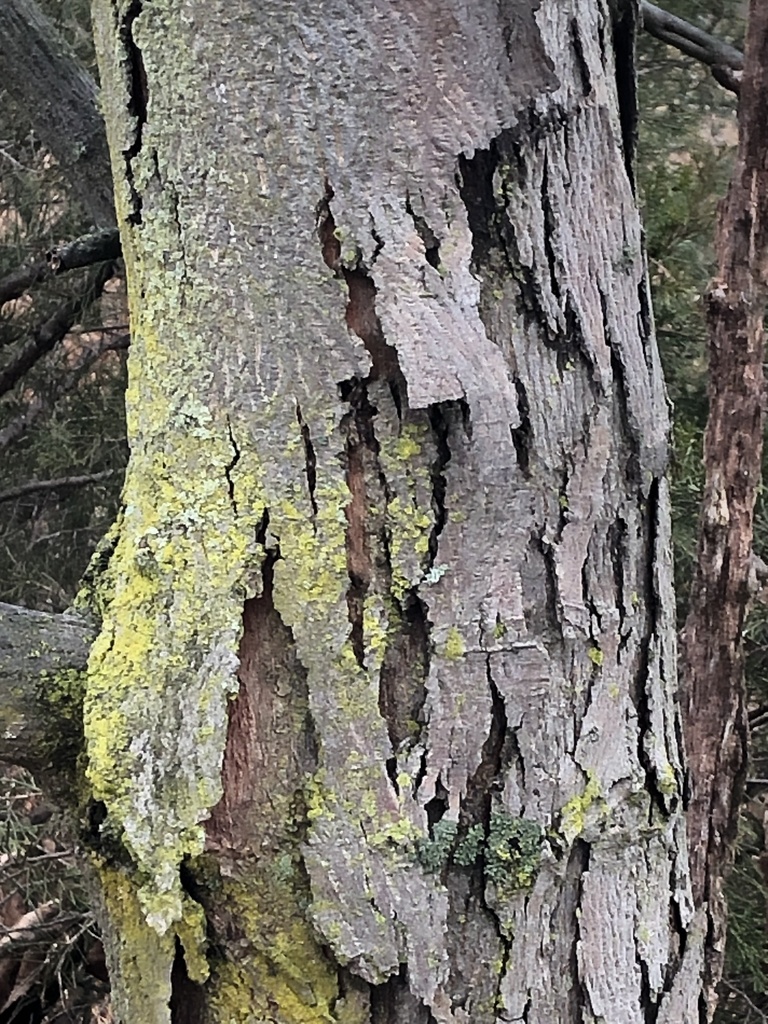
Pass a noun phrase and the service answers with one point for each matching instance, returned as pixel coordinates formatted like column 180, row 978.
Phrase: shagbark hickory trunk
column 382, row 722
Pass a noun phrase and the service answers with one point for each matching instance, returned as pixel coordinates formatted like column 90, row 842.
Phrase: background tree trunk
column 724, row 579
column 46, row 89
column 398, row 435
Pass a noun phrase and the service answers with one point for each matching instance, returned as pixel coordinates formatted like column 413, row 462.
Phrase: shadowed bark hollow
column 382, row 713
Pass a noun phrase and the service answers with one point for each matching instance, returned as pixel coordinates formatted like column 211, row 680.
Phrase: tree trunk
column 45, row 89
column 382, row 721
column 724, row 577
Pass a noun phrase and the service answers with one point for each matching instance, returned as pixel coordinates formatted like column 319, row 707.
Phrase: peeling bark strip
column 394, row 392
column 712, row 649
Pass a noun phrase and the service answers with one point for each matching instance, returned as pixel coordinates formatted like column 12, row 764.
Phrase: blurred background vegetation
column 64, row 419
column 687, row 136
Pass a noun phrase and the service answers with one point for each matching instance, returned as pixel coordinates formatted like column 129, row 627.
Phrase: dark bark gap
column 639, row 683
column 137, row 101
column 273, row 688
column 496, row 755
column 475, row 184
column 577, row 867
column 310, row 461
column 261, row 529
column 394, row 1003
column 402, row 688
column 420, row 774
column 595, row 617
column 621, row 389
column 188, row 999
column 495, row 250
column 645, row 317
column 679, row 931
column 581, row 63
column 379, row 244
column 361, row 315
column 405, row 665
column 440, row 421
column 522, row 436
column 506, row 947
column 648, row 1007
column 575, row 347
column 426, row 234
column 624, row 16
column 357, row 542
column 546, row 552
column 436, row 807
column 617, row 547
column 550, row 227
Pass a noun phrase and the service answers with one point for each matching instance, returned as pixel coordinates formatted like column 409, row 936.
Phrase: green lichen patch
column 409, row 516
column 470, row 847
column 435, row 852
column 510, row 851
column 512, row 854
column 142, row 980
column 576, row 812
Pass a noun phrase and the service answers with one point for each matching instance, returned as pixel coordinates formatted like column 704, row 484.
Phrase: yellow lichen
column 573, row 815
column 595, row 655
column 454, row 648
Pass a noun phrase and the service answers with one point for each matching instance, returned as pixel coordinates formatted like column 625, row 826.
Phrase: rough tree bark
column 712, row 652
column 381, row 722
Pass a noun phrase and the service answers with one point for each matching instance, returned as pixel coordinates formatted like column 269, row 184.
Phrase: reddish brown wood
column 712, row 649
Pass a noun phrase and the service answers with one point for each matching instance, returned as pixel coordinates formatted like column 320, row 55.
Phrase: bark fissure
column 624, row 17
column 138, row 99
column 310, row 459
column 231, row 465
column 578, row 50
column 521, row 436
column 426, row 234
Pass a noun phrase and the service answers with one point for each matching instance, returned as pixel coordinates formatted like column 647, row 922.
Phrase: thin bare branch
column 81, row 252
column 59, row 484
column 55, row 328
column 722, row 58
column 40, row 405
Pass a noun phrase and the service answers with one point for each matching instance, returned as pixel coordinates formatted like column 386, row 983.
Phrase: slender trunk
column 712, row 649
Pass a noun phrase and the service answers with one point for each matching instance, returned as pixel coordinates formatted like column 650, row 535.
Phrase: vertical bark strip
column 712, row 649
column 398, row 442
